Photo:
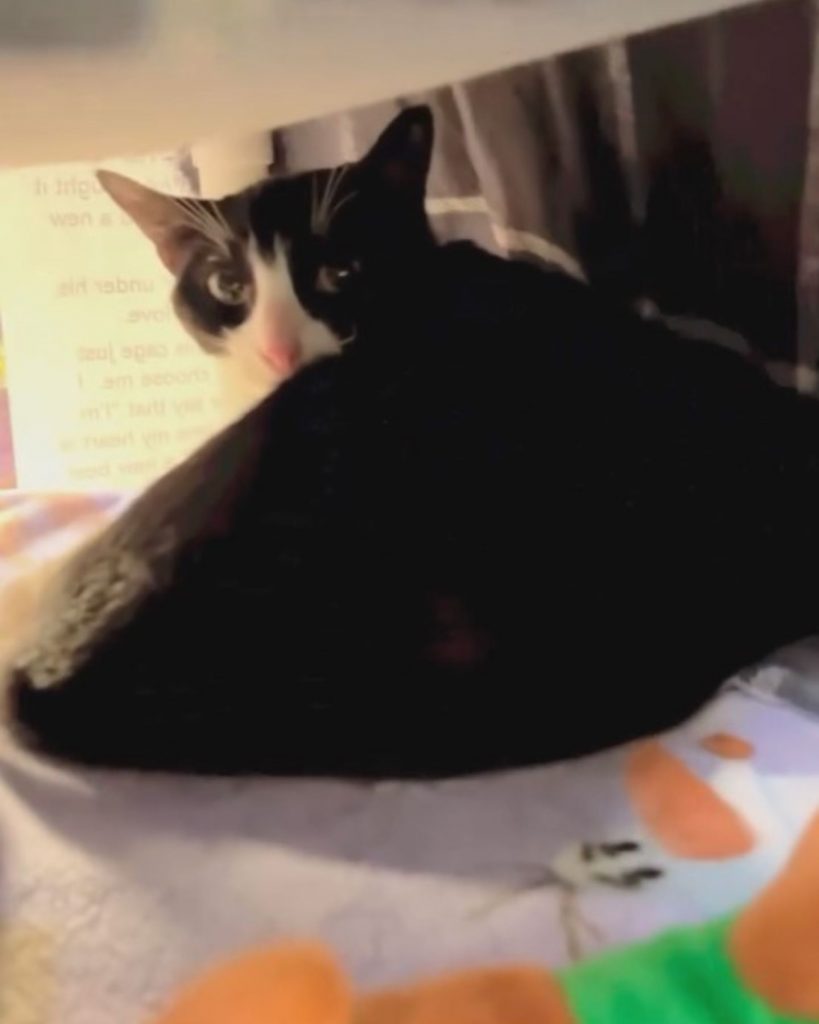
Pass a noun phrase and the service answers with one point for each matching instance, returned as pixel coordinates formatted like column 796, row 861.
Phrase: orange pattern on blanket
column 503, row 995
column 296, row 984
column 302, row 984
column 775, row 941
column 683, row 814
column 727, row 746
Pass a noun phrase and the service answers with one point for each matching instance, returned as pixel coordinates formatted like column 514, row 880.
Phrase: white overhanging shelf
column 84, row 79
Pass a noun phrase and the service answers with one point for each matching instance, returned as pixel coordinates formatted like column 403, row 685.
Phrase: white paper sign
column 105, row 388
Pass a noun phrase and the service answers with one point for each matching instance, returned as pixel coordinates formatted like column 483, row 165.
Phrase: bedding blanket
column 115, row 889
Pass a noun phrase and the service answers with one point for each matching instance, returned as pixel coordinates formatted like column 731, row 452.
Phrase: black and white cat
column 511, row 523
column 272, row 278
column 280, row 274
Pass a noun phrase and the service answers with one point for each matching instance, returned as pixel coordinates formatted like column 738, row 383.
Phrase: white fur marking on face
column 248, row 377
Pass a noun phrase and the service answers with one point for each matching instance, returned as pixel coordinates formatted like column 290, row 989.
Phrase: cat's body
column 518, row 525
column 509, row 523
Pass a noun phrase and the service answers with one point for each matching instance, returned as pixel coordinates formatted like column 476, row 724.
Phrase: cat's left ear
column 164, row 219
column 401, row 154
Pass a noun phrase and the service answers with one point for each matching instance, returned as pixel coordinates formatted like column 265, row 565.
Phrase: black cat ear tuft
column 401, row 154
column 160, row 217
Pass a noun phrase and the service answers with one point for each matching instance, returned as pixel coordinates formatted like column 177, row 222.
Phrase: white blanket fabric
column 115, row 889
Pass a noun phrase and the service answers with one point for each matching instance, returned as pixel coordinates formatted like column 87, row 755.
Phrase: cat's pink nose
column 283, row 354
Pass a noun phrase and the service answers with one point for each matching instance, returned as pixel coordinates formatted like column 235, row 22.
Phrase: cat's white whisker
column 191, row 207
column 323, row 202
column 330, row 192
column 328, row 208
column 206, row 222
column 195, row 215
column 220, row 231
column 220, row 217
column 334, row 211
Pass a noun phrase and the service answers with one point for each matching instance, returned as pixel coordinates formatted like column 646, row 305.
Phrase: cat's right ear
column 401, row 155
column 160, row 217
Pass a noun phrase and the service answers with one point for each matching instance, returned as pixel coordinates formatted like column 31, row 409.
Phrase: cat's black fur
column 511, row 524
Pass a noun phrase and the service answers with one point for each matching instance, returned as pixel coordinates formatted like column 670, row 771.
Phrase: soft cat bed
column 759, row 965
column 117, row 889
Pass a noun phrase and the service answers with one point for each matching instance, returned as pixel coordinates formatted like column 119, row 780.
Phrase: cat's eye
column 333, row 279
column 228, row 287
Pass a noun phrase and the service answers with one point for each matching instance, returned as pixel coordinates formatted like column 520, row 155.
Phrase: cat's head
column 289, row 269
